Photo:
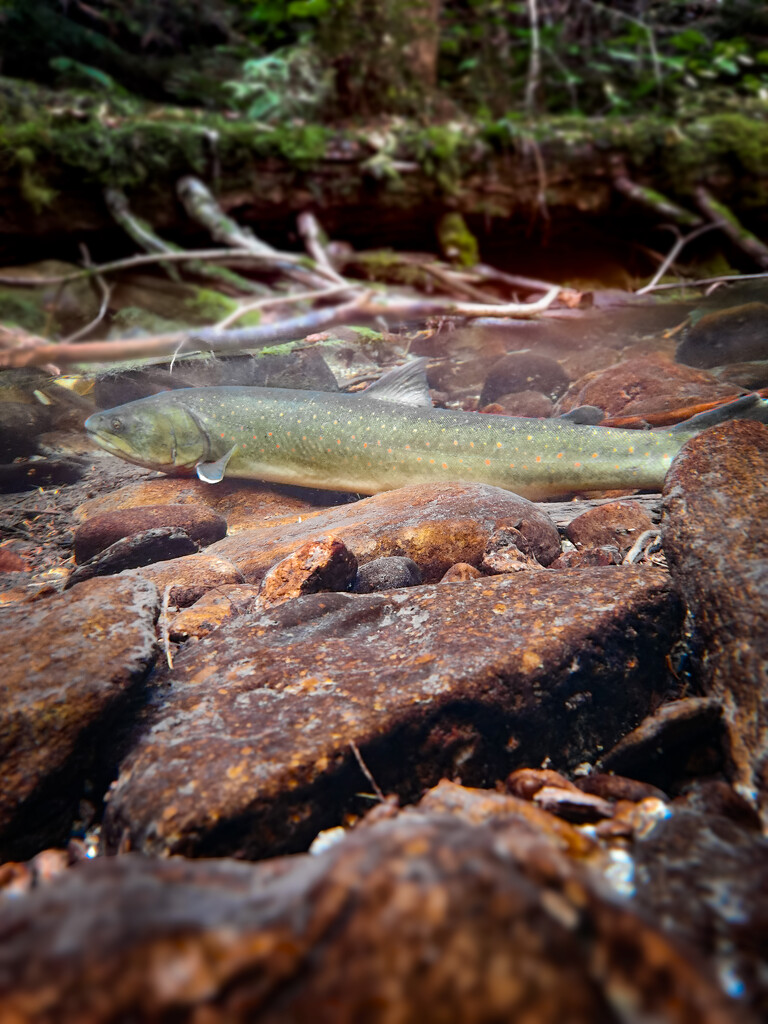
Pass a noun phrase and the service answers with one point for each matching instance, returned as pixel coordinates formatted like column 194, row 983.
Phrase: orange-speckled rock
column 211, row 610
column 524, row 403
column 508, row 550
column 244, row 505
column 97, row 533
column 639, row 386
column 715, row 534
column 247, row 749
column 460, row 573
column 419, row 919
column 69, row 667
column 318, row 565
column 434, row 524
column 616, row 524
column 188, row 577
column 590, row 557
column 478, row 805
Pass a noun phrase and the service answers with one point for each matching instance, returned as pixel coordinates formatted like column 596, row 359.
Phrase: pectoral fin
column 213, row 472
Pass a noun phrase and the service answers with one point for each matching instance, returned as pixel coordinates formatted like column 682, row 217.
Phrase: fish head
column 157, row 432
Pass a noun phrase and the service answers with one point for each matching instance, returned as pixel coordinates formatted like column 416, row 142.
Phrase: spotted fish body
column 355, row 443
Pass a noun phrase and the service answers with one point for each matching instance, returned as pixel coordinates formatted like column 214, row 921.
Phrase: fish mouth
column 113, row 446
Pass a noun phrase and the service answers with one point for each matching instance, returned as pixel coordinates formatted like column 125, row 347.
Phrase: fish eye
column 117, row 425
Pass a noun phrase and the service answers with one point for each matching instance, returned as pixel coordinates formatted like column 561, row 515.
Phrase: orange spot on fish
column 487, row 462
column 577, row 465
column 445, row 465
column 538, row 458
column 559, row 455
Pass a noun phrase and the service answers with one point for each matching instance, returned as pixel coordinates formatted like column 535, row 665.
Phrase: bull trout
column 387, row 437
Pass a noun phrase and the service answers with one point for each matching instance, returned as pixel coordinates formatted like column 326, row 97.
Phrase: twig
column 364, row 770
column 726, row 220
column 650, row 198
column 530, row 284
column 280, row 300
column 310, row 231
column 207, row 339
column 702, row 282
column 165, row 626
column 203, row 208
column 106, row 295
column 674, row 252
column 143, row 260
column 644, row 545
column 359, row 310
column 534, row 61
column 420, row 308
column 136, row 229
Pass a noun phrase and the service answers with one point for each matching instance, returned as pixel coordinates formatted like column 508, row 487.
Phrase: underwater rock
column 386, row 574
column 705, row 879
column 521, row 403
column 678, row 740
column 201, row 524
column 211, row 610
column 242, row 505
column 420, row 918
column 247, row 750
column 524, row 371
column 715, row 534
column 325, row 564
column 187, row 579
column 508, row 550
column 21, row 424
column 735, row 335
column 69, row 668
column 158, row 545
column 616, row 524
column 606, row 554
column 460, row 573
column 435, row 525
column 643, row 385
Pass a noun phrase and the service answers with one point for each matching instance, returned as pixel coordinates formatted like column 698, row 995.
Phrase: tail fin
column 748, row 407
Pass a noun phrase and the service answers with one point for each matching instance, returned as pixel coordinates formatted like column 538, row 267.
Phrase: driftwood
column 212, row 339
column 730, row 225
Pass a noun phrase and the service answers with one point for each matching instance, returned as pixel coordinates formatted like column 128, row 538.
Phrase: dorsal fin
column 406, row 384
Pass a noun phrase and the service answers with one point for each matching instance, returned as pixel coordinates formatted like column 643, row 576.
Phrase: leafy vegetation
column 314, row 59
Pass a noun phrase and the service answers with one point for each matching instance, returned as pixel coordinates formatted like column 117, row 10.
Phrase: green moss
column 457, row 242
column 21, row 310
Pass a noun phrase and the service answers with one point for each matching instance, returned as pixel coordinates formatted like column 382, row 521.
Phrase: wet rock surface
column 202, row 525
column 386, row 574
column 326, row 564
column 248, row 744
column 716, row 540
column 144, row 548
column 643, row 385
column 422, row 917
column 733, row 335
column 559, row 890
column 435, row 525
column 75, row 663
column 618, row 524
